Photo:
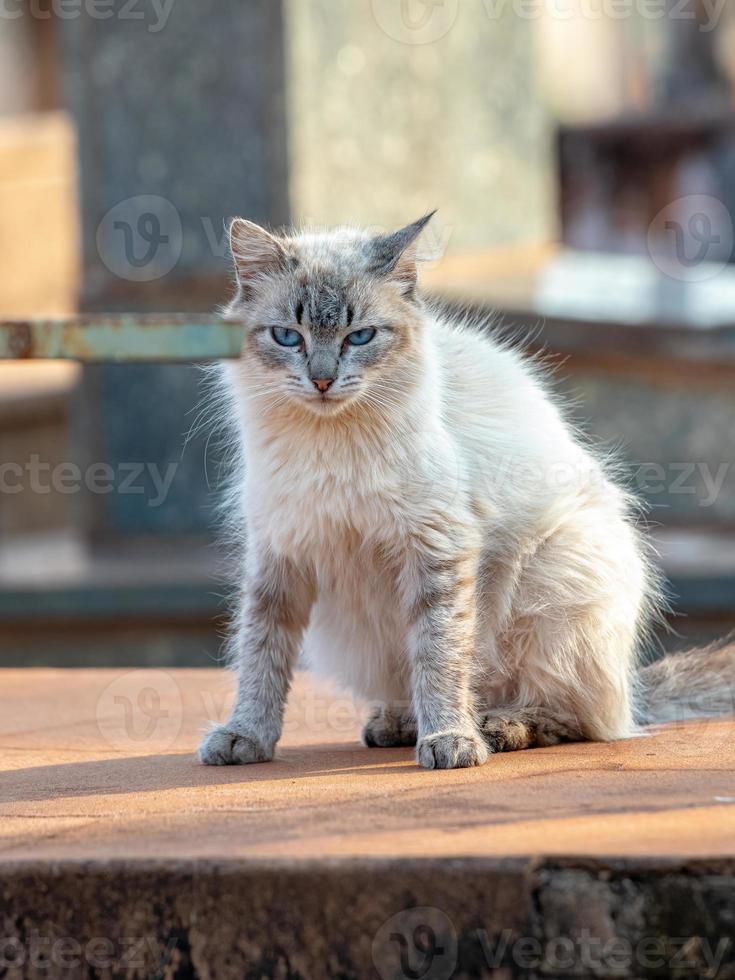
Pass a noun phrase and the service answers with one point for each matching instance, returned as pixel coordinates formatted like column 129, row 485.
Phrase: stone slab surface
column 121, row 856
column 99, row 764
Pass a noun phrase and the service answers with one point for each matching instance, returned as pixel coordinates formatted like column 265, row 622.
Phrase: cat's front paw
column 226, row 747
column 451, row 750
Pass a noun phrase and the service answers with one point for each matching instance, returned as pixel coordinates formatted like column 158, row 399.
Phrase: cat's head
column 331, row 317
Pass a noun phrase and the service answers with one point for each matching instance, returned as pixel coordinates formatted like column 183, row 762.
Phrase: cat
column 424, row 523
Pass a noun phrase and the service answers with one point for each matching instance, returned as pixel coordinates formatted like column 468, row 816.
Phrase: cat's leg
column 510, row 729
column 390, row 726
column 275, row 611
column 439, row 583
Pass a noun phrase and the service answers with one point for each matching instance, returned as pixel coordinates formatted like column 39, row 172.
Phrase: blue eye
column 360, row 337
column 287, row 337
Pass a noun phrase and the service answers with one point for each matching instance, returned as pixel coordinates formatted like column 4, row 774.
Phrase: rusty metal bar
column 126, row 337
column 134, row 337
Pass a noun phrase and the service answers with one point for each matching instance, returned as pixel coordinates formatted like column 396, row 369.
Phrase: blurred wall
column 39, row 226
column 178, row 130
column 391, row 117
column 39, row 245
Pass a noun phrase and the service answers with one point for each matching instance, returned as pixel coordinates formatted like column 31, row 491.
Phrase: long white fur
column 566, row 580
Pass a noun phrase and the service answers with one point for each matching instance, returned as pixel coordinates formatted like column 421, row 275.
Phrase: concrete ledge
column 395, row 919
column 121, row 856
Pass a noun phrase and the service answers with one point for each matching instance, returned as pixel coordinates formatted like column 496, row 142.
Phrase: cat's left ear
column 394, row 257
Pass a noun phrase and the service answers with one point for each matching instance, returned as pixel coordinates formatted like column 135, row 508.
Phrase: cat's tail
column 694, row 684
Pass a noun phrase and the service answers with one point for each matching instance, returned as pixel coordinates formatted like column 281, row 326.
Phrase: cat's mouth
column 328, row 403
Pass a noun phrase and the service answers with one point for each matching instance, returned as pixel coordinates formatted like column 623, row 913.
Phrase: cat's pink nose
column 322, row 384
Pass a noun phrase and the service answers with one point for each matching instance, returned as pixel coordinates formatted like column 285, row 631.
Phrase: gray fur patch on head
column 325, row 303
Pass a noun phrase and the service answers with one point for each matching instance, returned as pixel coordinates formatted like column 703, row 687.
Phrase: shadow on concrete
column 152, row 773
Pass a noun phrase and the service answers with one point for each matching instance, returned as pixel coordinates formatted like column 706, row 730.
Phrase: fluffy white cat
column 423, row 521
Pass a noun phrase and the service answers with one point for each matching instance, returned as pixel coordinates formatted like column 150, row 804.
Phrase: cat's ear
column 394, row 256
column 257, row 253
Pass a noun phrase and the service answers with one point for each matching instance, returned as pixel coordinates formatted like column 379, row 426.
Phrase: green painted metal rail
column 122, row 338
column 131, row 337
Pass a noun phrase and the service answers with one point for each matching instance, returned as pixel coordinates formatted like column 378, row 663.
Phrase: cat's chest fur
column 329, row 500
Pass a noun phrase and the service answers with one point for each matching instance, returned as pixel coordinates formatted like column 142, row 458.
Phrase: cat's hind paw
column 223, row 746
column 451, row 750
column 389, row 729
column 507, row 730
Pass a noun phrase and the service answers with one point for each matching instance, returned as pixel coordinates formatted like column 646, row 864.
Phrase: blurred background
column 581, row 154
